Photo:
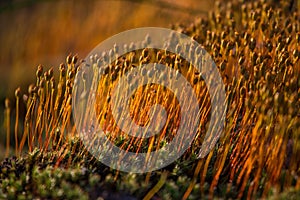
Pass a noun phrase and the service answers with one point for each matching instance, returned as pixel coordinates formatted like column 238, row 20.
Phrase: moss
column 257, row 156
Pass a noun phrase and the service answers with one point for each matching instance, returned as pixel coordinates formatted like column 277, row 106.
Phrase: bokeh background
column 34, row 32
column 44, row 32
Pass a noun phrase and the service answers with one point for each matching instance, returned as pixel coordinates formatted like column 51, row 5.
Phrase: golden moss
column 256, row 48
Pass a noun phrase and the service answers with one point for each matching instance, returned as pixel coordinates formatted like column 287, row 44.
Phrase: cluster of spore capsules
column 256, row 48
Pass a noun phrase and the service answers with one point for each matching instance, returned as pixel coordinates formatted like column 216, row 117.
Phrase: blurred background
column 45, row 32
column 34, row 32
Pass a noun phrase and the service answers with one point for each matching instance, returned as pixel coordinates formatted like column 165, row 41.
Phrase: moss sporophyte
column 255, row 46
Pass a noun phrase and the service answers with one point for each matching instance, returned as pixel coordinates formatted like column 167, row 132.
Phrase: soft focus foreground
column 256, row 49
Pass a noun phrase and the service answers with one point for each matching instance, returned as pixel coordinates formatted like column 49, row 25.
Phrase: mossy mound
column 256, row 48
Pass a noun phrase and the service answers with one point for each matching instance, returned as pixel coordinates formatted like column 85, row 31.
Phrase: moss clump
column 256, row 48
